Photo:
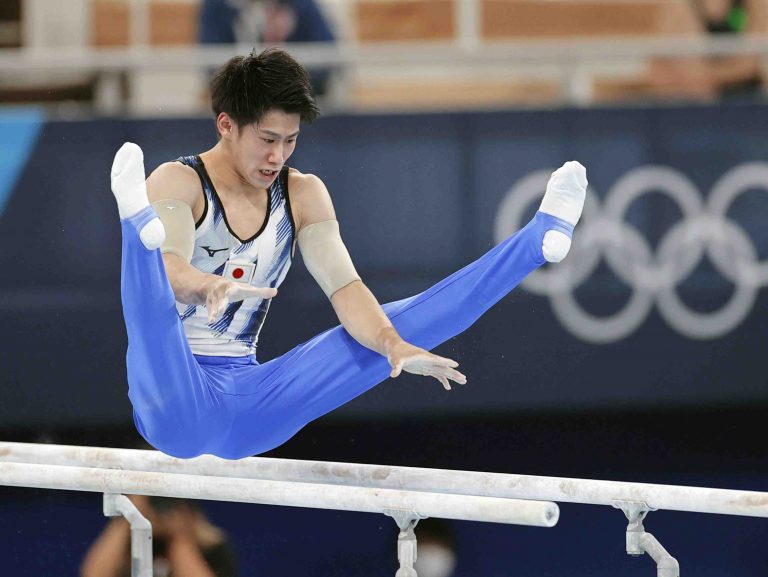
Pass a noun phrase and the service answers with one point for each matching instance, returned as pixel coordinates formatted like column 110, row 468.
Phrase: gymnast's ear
column 225, row 125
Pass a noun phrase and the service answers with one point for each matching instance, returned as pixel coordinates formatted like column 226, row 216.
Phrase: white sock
column 564, row 198
column 130, row 190
column 555, row 246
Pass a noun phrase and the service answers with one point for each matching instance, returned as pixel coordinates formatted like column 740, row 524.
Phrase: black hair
column 247, row 87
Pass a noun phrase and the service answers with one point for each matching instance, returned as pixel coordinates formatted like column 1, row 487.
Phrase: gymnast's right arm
column 180, row 185
column 106, row 556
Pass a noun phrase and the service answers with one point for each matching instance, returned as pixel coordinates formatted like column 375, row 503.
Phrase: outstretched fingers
column 442, row 361
column 444, row 374
column 216, row 305
column 218, row 299
column 455, row 376
column 427, row 364
column 238, row 293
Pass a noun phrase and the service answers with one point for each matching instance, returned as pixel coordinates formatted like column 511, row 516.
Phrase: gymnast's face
column 261, row 149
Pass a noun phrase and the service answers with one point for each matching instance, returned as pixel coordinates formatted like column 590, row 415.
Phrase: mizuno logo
column 212, row 251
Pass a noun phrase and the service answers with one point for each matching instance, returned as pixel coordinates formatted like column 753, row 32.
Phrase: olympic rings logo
column 603, row 233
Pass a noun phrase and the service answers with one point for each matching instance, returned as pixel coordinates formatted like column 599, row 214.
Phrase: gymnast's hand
column 406, row 357
column 219, row 292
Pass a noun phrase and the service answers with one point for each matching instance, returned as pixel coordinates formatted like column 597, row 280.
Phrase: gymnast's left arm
column 358, row 310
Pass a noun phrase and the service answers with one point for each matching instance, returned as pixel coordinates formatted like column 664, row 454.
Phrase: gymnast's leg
column 166, row 385
column 281, row 396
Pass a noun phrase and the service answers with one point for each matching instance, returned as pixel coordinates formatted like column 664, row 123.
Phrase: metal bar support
column 406, row 540
column 141, row 532
column 639, row 542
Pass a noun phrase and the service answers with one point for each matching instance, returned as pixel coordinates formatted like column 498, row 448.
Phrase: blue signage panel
column 662, row 303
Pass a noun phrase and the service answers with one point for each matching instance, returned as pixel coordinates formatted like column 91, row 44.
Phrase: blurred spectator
column 184, row 543
column 710, row 78
column 436, row 553
column 268, row 22
column 10, row 23
column 733, row 75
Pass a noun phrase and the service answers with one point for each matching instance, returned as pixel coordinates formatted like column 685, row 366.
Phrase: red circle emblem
column 238, row 273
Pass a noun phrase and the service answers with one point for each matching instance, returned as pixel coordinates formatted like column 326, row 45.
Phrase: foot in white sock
column 130, row 190
column 564, row 199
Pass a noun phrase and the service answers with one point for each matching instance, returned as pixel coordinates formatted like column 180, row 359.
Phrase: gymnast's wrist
column 388, row 339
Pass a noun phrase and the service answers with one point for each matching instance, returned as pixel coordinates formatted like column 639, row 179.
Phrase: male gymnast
column 207, row 240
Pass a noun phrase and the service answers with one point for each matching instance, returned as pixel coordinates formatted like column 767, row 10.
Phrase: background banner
column 663, row 302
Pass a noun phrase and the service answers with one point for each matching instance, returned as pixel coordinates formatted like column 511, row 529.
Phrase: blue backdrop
column 419, row 196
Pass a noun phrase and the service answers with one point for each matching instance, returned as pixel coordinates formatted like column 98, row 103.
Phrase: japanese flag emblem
column 241, row 272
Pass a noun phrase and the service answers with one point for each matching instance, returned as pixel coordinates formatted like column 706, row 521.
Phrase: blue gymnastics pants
column 187, row 405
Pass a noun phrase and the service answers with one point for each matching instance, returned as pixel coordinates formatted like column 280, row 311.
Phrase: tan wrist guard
column 179, row 225
column 326, row 257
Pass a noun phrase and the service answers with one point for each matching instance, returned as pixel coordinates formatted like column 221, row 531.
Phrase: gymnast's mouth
column 268, row 173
